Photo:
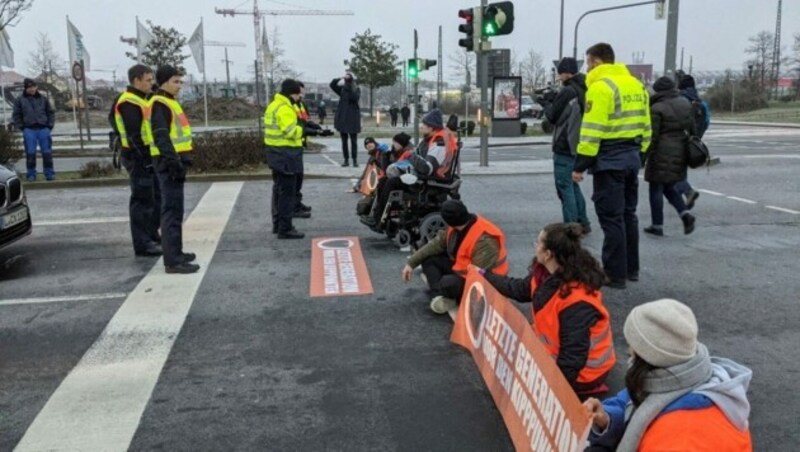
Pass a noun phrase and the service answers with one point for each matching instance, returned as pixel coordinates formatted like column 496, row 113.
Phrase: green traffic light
column 489, row 29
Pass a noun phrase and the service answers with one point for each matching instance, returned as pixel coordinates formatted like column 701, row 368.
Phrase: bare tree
column 460, row 64
column 10, row 11
column 282, row 68
column 761, row 48
column 533, row 72
column 42, row 60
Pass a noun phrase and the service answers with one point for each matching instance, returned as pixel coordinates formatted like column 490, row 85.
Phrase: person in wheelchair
column 434, row 160
column 387, row 159
column 379, row 158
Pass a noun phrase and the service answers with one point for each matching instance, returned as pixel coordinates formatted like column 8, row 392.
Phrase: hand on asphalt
column 407, row 271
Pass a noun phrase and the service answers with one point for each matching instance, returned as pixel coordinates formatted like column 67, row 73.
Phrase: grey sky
column 715, row 32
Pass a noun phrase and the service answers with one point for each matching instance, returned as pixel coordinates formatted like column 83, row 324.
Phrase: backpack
column 702, row 116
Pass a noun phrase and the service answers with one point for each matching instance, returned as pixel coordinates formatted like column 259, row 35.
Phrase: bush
column 745, row 94
column 10, row 147
column 221, row 109
column 227, row 150
column 96, row 168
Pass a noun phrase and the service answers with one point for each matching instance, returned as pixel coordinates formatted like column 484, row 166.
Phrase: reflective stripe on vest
column 463, row 255
column 547, row 325
column 180, row 132
column 144, row 106
column 302, row 113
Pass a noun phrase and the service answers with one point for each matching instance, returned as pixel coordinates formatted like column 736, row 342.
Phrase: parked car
column 15, row 217
column 530, row 109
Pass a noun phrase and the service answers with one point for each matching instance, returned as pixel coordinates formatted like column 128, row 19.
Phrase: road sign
column 77, row 71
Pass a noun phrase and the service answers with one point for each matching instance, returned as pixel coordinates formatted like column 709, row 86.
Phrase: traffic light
column 471, row 41
column 424, row 64
column 413, row 69
column 498, row 19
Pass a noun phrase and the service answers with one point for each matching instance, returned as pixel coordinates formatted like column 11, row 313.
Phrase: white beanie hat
column 662, row 332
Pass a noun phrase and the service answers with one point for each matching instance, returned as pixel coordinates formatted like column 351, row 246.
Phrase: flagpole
column 3, row 94
column 205, row 87
column 138, row 43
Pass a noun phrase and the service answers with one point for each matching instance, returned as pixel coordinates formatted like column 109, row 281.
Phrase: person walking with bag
column 666, row 158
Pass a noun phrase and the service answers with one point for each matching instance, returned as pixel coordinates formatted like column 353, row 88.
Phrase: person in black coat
column 405, row 113
column 666, row 158
column 393, row 113
column 348, row 114
column 35, row 117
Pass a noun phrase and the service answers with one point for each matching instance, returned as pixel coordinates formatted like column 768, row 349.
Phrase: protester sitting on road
column 468, row 239
column 671, row 119
column 434, row 159
column 568, row 311
column 378, row 155
column 677, row 397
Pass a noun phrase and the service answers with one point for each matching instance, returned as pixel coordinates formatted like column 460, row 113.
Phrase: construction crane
column 258, row 13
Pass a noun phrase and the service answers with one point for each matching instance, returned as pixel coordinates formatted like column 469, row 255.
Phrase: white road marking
column 77, row 221
column 710, row 192
column 104, row 296
column 736, row 198
column 782, row 209
column 100, row 403
column 333, row 162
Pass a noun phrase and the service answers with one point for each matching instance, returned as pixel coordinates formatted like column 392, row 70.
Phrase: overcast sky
column 714, row 32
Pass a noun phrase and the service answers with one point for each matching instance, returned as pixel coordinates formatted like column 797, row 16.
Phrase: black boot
column 346, row 163
column 688, row 223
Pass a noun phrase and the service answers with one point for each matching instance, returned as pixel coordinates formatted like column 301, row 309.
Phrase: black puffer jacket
column 671, row 118
column 348, row 113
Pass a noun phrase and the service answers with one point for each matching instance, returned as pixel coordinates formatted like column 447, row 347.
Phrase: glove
column 326, row 133
column 176, row 170
column 310, row 132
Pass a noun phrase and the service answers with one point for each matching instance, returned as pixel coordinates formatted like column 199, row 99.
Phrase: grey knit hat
column 662, row 332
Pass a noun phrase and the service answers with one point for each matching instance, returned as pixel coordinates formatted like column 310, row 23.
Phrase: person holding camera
column 347, row 120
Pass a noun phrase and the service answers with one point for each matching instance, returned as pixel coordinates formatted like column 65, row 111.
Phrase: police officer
column 283, row 139
column 301, row 210
column 127, row 118
column 615, row 133
column 172, row 144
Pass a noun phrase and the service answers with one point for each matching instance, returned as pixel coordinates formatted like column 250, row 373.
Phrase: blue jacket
column 33, row 112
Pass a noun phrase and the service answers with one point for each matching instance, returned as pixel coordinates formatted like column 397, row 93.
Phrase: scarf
column 664, row 386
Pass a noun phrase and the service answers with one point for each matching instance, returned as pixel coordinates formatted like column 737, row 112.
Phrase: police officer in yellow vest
column 283, row 139
column 172, row 144
column 615, row 133
column 127, row 118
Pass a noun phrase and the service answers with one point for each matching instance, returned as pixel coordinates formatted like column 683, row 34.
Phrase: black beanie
column 687, row 81
column 290, row 86
column 28, row 82
column 567, row 65
column 402, row 138
column 664, row 84
column 455, row 213
column 164, row 73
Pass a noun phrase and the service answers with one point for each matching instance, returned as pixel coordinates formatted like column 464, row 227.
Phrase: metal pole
column 416, row 89
column 258, row 94
column 561, row 34
column 575, row 38
column 672, row 38
column 77, row 117
column 439, row 73
column 483, row 69
column 681, row 58
column 227, row 74
column 86, row 104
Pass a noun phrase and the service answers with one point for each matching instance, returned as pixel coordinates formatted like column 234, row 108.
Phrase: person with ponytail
column 676, row 396
column 568, row 313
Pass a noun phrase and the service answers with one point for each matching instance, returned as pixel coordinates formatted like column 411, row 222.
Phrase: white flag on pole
column 6, row 52
column 198, row 48
column 143, row 37
column 77, row 50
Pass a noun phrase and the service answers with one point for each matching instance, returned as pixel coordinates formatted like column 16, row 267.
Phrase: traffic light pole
column 672, row 38
column 593, row 11
column 483, row 69
column 416, row 89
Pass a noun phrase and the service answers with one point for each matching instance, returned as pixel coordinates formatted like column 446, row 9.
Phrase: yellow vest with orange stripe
column 601, row 349
column 463, row 255
column 180, row 132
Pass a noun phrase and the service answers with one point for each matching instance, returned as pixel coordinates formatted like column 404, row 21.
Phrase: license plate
column 13, row 219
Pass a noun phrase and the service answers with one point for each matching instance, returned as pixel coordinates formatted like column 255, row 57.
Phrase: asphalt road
column 260, row 365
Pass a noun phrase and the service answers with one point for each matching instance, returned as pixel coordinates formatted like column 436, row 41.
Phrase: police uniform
column 614, row 132
column 127, row 118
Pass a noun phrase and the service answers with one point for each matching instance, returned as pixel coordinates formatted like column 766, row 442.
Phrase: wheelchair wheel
column 431, row 224
column 403, row 238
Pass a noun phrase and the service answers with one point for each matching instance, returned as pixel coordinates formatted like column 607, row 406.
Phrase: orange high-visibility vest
column 703, row 430
column 463, row 255
column 601, row 350
column 451, row 147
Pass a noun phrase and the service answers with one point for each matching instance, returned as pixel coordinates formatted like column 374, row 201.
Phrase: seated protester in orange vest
column 434, row 159
column 378, row 154
column 677, row 397
column 568, row 312
column 468, row 240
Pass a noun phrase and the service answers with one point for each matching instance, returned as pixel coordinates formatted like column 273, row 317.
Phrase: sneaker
column 183, row 269
column 301, row 214
column 654, row 230
column 688, row 223
column 691, row 197
column 441, row 304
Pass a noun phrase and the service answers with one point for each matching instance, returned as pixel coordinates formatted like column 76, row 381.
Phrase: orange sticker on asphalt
column 338, row 268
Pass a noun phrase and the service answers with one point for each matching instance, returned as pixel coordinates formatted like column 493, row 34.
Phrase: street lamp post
column 575, row 42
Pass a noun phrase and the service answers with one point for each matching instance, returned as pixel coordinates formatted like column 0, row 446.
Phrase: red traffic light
column 466, row 14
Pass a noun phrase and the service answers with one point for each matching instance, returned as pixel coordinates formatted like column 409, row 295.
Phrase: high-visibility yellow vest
column 617, row 107
column 144, row 105
column 281, row 127
column 180, row 132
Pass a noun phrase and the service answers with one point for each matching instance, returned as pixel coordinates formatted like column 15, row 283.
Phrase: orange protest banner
column 338, row 268
column 369, row 179
column 540, row 409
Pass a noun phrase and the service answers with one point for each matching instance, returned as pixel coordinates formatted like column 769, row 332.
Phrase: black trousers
column 172, row 211
column 299, row 184
column 394, row 121
column 615, row 198
column 385, row 186
column 405, row 121
column 353, row 145
column 144, row 207
column 441, row 278
column 284, row 189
